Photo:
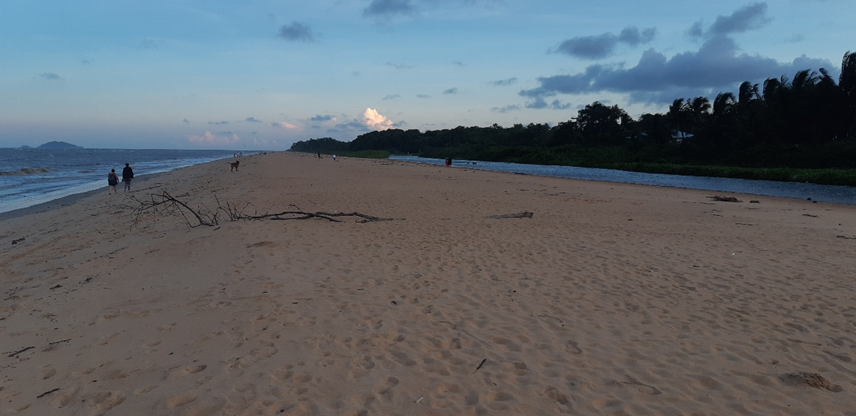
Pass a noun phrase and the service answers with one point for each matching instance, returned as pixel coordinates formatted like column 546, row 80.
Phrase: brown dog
column 234, row 166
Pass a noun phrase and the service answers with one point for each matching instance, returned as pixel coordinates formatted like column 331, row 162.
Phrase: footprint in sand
column 105, row 400
column 187, row 371
column 386, row 386
column 145, row 390
column 65, row 398
column 180, row 400
column 50, row 372
column 642, row 388
column 167, row 327
column 553, row 394
column 573, row 348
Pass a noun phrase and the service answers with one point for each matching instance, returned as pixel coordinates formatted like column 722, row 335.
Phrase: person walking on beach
column 127, row 175
column 112, row 181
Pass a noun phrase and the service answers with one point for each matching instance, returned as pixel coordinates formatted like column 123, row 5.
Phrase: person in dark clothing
column 127, row 175
column 112, row 181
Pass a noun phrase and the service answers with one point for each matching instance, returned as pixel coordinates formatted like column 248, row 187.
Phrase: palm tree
column 847, row 85
column 699, row 109
column 723, row 104
column 678, row 117
column 747, row 93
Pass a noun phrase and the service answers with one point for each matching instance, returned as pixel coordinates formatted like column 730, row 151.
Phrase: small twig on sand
column 524, row 214
column 20, row 351
column 46, row 393
column 480, row 365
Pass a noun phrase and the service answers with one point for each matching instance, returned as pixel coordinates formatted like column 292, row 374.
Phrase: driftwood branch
column 524, row 214
column 164, row 204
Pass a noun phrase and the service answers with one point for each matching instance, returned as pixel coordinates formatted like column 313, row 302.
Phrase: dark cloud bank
column 601, row 46
column 297, row 32
column 715, row 67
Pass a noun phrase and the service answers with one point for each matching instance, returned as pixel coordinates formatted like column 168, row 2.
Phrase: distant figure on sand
column 448, row 161
column 127, row 175
column 112, row 181
column 334, row 158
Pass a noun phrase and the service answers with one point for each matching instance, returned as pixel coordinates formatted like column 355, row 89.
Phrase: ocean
column 32, row 176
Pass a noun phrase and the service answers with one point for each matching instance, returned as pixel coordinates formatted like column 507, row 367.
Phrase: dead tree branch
column 164, row 205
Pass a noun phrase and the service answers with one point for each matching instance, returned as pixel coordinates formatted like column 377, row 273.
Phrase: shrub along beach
column 301, row 286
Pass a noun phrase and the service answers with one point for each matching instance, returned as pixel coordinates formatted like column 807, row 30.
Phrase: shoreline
column 77, row 173
column 757, row 187
column 72, row 199
column 612, row 298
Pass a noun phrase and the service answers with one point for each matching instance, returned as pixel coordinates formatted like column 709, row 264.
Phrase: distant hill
column 59, row 145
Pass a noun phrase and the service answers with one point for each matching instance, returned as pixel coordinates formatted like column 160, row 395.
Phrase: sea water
column 33, row 176
column 805, row 191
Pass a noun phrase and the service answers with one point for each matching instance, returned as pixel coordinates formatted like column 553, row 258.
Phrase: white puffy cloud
column 375, row 120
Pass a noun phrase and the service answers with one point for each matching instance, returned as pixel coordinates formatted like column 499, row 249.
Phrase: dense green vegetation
column 788, row 130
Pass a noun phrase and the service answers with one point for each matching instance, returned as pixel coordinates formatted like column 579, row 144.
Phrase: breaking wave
column 25, row 171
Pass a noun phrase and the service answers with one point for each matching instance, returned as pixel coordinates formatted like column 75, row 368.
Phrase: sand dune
column 612, row 299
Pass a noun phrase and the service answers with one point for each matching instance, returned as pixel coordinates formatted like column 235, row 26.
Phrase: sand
column 611, row 299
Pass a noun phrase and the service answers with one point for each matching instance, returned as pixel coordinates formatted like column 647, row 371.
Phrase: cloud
column 388, row 8
column 218, row 122
column 423, row 96
column 185, row 121
column 539, row 103
column 399, row 66
column 349, row 126
column 451, row 91
column 503, row 82
column 374, row 120
column 391, row 97
column 744, row 19
column 505, row 109
column 633, row 37
column 656, row 78
column 50, row 76
column 322, row 118
column 284, row 125
column 601, row 46
column 459, row 63
column 252, row 120
column 380, row 9
column 297, row 32
column 212, row 138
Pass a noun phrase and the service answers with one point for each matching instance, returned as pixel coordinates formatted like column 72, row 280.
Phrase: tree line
column 808, row 121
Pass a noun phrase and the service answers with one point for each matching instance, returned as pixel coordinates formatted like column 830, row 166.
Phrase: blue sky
column 261, row 74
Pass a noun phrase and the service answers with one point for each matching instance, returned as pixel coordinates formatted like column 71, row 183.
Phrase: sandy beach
column 612, row 299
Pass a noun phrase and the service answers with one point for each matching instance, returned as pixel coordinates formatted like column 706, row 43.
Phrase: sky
column 263, row 74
